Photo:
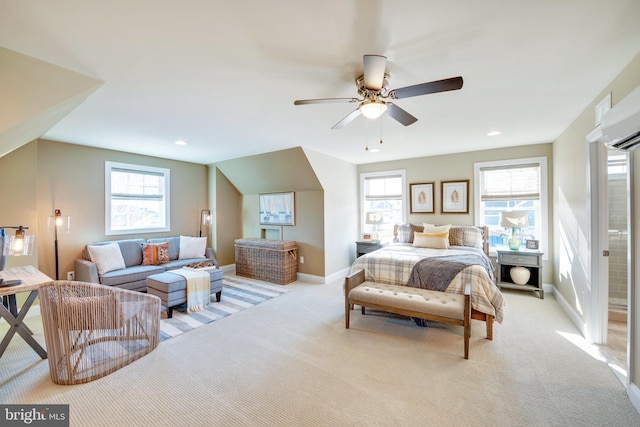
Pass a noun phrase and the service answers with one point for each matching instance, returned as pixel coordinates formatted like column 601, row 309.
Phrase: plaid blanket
column 393, row 265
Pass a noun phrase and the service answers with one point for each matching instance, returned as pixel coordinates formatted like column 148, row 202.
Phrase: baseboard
column 634, row 396
column 575, row 318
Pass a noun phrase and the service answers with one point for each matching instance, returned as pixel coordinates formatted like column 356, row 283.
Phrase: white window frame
column 109, row 167
column 366, row 175
column 544, row 205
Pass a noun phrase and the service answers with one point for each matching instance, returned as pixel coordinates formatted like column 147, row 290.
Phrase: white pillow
column 431, row 240
column 436, row 228
column 192, row 247
column 106, row 257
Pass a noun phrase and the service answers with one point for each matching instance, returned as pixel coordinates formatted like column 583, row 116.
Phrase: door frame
column 597, row 318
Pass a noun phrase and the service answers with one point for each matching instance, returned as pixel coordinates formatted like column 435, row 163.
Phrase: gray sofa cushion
column 130, row 274
column 131, row 250
column 174, row 245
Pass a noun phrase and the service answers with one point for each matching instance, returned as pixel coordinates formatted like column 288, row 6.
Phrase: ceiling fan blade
column 399, row 114
column 453, row 83
column 347, row 119
column 374, row 67
column 324, row 101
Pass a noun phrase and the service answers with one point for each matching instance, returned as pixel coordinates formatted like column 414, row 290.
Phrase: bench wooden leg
column 489, row 322
column 347, row 310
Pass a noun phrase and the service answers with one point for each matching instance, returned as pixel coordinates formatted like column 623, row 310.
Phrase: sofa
column 127, row 263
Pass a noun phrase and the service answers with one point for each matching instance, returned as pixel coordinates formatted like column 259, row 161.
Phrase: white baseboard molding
column 575, row 318
column 634, row 395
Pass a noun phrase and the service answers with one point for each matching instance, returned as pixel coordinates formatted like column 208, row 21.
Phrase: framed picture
column 532, row 244
column 366, row 236
column 455, row 196
column 422, row 198
column 277, row 208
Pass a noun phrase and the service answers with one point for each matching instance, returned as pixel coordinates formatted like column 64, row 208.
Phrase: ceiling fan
column 373, row 87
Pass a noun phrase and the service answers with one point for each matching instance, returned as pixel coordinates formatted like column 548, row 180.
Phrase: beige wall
column 460, row 167
column 54, row 175
column 340, row 182
column 571, row 206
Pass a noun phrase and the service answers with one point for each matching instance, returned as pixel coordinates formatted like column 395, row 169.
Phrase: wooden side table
column 531, row 260
column 31, row 278
column 366, row 246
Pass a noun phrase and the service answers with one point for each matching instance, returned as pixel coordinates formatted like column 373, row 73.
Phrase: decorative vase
column 520, row 275
column 514, row 243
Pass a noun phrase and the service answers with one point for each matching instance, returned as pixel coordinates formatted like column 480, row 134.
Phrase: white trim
column 544, row 194
column 108, row 167
column 366, row 175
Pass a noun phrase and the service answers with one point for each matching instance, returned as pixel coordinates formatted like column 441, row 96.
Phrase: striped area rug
column 238, row 293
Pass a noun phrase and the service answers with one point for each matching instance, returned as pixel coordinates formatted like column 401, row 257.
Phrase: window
column 136, row 199
column 383, row 202
column 519, row 184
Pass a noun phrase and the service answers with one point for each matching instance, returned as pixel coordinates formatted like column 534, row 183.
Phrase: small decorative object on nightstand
column 366, row 246
column 514, row 220
column 520, row 270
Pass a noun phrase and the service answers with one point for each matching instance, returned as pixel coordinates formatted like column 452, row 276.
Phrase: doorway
column 618, row 198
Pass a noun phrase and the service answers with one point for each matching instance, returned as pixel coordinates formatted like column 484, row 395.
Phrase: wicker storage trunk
column 274, row 261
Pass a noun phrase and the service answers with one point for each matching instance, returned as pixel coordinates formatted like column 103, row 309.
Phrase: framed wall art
column 422, row 198
column 277, row 208
column 455, row 196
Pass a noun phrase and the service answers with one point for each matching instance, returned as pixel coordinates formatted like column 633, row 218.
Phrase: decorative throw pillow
column 106, row 257
column 415, row 229
column 192, row 247
column 431, row 240
column 155, row 253
column 404, row 231
column 456, row 236
column 430, row 228
column 472, row 236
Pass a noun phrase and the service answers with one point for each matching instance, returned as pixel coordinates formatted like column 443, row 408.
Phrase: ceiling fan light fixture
column 373, row 109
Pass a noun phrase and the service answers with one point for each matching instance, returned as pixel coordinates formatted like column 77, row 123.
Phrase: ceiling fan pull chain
column 366, row 135
column 380, row 129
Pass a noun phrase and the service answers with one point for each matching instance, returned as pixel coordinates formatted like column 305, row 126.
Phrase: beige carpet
column 290, row 362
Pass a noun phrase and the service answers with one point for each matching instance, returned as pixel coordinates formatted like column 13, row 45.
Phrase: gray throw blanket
column 436, row 273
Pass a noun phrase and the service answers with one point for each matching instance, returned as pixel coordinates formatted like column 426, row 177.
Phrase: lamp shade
column 374, row 218
column 513, row 219
column 373, row 109
column 58, row 222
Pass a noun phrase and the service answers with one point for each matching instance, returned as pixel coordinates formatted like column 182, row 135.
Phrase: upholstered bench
column 171, row 288
column 424, row 304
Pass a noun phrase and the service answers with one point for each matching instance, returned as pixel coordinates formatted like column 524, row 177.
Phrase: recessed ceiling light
column 181, row 142
column 494, row 133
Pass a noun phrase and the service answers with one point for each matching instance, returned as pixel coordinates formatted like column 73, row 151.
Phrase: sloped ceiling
column 223, row 75
column 288, row 170
column 35, row 96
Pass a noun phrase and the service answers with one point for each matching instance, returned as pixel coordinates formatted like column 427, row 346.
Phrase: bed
column 443, row 258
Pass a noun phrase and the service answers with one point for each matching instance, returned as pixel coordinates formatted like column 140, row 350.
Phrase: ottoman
column 172, row 288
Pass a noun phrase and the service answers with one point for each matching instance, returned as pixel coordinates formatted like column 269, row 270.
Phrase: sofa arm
column 86, row 271
column 209, row 254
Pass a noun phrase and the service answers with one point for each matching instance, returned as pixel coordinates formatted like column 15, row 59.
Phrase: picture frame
column 455, row 196
column 422, row 198
column 277, row 208
column 532, row 244
column 366, row 236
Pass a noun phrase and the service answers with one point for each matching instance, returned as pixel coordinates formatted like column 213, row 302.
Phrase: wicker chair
column 92, row 330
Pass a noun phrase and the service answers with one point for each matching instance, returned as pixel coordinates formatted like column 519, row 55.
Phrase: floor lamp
column 57, row 222
column 205, row 219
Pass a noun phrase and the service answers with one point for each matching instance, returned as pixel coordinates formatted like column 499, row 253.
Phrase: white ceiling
column 223, row 75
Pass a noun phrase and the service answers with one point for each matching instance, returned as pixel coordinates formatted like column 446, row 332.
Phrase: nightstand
column 531, row 260
column 366, row 246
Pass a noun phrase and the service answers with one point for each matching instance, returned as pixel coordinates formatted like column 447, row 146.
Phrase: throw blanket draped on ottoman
column 198, row 292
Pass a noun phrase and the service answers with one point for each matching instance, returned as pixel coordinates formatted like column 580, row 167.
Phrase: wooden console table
column 31, row 278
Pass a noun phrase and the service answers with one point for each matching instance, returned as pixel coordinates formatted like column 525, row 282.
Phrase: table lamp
column 19, row 244
column 514, row 220
column 374, row 218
